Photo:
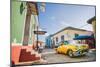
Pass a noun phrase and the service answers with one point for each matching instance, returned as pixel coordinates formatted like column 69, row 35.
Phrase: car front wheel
column 70, row 53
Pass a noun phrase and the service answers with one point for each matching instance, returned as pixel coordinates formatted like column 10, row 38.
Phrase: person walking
column 40, row 48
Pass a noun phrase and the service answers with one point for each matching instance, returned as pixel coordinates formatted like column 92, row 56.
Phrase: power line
column 83, row 25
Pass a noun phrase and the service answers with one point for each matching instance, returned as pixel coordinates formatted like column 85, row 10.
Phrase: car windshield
column 68, row 42
column 72, row 42
column 75, row 42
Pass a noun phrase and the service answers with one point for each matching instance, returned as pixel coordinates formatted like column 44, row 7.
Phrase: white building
column 68, row 33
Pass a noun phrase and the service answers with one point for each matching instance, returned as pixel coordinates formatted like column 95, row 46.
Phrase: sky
column 59, row 16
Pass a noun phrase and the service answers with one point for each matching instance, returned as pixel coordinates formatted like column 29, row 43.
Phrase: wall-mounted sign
column 40, row 32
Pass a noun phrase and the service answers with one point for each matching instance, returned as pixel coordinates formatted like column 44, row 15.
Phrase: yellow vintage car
column 72, row 49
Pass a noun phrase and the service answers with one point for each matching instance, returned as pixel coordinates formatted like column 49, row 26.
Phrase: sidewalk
column 48, row 51
column 45, row 53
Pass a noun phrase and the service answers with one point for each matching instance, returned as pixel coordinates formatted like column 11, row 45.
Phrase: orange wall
column 15, row 53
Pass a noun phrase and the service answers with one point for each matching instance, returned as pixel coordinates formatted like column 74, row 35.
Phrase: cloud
column 40, row 29
column 47, row 34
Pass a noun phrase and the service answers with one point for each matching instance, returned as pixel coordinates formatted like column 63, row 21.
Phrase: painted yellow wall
column 71, row 34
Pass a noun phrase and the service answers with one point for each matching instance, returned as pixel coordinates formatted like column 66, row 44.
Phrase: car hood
column 82, row 46
column 79, row 46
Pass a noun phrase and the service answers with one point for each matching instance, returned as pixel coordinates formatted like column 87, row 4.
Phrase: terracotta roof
column 91, row 19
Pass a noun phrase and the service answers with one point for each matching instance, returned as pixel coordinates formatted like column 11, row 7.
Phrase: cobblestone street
column 52, row 57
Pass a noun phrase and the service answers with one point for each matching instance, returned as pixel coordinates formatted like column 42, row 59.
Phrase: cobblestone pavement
column 52, row 57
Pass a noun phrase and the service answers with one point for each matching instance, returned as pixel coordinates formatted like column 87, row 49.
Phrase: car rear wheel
column 57, row 51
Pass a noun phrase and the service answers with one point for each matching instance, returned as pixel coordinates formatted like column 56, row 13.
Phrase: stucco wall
column 18, row 23
column 69, row 34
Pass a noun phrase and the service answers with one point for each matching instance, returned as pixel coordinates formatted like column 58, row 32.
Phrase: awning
column 83, row 37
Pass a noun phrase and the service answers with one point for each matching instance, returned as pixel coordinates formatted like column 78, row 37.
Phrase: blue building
column 48, row 41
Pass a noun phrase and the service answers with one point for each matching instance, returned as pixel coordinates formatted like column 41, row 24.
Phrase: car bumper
column 80, row 52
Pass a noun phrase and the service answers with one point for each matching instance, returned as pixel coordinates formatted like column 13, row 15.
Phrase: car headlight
column 84, row 47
